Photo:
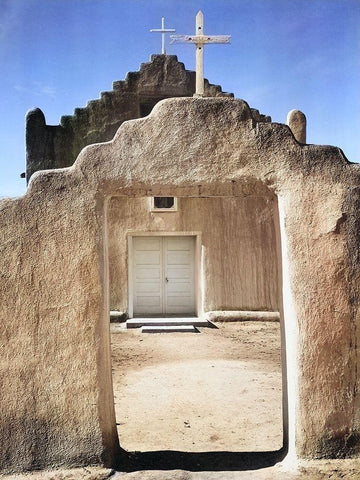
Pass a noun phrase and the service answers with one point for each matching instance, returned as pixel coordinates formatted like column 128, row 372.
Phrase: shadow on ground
column 198, row 461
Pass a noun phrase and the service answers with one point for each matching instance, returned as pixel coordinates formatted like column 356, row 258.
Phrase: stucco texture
column 56, row 389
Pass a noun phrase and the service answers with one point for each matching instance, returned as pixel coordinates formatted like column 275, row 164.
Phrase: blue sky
column 284, row 54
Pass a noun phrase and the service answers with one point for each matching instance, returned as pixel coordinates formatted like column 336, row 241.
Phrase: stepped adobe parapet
column 49, row 147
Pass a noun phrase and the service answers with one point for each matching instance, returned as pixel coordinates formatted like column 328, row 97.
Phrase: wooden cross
column 163, row 30
column 200, row 40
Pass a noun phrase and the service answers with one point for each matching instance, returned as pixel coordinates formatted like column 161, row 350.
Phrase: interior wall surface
column 55, row 369
column 238, row 247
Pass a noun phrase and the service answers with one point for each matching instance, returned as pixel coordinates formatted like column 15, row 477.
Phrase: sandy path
column 219, row 390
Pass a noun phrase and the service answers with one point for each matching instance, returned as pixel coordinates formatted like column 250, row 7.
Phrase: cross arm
column 163, row 30
column 200, row 39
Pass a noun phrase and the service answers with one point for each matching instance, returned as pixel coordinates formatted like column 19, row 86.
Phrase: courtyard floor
column 217, row 390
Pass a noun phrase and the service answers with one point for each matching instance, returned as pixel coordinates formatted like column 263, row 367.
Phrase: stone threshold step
column 169, row 329
column 161, row 322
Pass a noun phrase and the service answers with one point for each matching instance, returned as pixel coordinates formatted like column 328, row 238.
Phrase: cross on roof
column 163, row 30
column 200, row 40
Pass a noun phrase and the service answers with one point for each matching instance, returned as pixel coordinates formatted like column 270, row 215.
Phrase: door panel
column 178, row 287
column 179, row 295
column 178, row 258
column 179, row 273
column 148, row 275
column 148, row 243
column 149, row 272
column 147, row 258
column 148, row 302
column 144, row 287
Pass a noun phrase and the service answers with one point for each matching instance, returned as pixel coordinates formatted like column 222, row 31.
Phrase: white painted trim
column 199, row 310
column 160, row 233
column 289, row 342
column 174, row 208
column 130, row 277
column 198, row 293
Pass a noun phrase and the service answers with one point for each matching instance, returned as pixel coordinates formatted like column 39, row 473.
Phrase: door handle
column 167, row 280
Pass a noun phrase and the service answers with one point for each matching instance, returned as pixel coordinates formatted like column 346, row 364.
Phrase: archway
column 130, row 216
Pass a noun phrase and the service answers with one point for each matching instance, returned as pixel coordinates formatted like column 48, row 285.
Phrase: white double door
column 163, row 275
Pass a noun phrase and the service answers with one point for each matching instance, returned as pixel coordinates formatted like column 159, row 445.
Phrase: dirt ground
column 314, row 470
column 217, row 390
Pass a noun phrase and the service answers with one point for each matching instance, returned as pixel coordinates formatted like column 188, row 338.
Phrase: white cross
column 200, row 40
column 163, row 30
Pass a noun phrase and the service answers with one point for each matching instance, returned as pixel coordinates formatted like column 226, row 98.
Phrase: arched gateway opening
column 185, row 402
column 190, row 148
column 199, row 174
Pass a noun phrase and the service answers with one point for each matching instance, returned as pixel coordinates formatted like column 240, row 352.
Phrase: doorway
column 162, row 275
column 220, row 391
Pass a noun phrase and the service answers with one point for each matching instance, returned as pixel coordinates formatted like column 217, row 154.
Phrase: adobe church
column 187, row 206
column 169, row 255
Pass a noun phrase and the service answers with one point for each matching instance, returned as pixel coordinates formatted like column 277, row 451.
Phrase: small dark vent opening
column 164, row 202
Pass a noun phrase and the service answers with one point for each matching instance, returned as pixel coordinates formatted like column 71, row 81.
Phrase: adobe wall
column 239, row 261
column 57, row 146
column 56, row 391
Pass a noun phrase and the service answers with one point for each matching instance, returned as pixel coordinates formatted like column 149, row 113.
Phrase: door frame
column 197, row 266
